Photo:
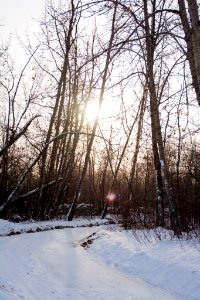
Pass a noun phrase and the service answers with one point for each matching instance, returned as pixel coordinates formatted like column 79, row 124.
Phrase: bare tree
column 18, row 104
column 157, row 140
column 190, row 23
column 101, row 97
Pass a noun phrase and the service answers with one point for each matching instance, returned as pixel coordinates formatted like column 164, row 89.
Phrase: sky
column 17, row 16
column 19, row 23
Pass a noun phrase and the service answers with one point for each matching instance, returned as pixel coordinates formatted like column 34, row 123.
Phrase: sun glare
column 91, row 111
column 107, row 111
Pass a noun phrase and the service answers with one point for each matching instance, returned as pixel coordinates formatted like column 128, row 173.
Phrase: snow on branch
column 37, row 189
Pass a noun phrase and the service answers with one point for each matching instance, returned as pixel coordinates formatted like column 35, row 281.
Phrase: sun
column 91, row 111
column 108, row 109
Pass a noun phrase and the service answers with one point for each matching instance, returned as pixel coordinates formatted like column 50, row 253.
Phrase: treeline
column 134, row 208
column 57, row 162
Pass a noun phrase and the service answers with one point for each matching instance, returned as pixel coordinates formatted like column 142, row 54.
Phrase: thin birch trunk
column 140, row 114
column 138, row 137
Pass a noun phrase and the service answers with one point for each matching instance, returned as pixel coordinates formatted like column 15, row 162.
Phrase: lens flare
column 110, row 198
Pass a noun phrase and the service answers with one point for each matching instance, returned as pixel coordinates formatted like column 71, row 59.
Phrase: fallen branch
column 37, row 189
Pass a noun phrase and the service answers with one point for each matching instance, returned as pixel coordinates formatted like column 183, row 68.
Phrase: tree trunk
column 158, row 147
column 192, row 39
column 138, row 137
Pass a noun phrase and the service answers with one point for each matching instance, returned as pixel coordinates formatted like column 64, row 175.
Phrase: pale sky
column 17, row 16
column 17, row 20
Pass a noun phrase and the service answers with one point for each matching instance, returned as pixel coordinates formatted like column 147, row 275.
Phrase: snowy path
column 47, row 265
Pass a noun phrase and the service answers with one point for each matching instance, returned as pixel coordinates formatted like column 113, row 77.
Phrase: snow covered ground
column 10, row 228
column 155, row 257
column 52, row 265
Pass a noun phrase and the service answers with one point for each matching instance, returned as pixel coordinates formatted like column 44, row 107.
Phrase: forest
column 102, row 117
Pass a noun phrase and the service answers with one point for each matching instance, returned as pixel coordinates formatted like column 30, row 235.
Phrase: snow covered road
column 49, row 265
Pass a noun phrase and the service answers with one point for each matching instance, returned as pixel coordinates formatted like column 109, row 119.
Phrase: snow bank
column 156, row 258
column 5, row 227
column 50, row 265
column 171, row 264
column 10, row 228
